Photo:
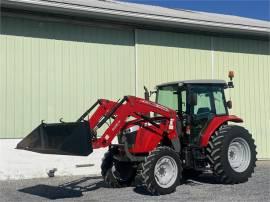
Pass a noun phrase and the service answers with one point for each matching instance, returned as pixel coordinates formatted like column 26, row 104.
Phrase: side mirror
column 229, row 104
column 146, row 94
column 193, row 100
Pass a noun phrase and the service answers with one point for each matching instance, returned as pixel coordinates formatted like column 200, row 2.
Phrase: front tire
column 161, row 171
column 116, row 174
column 231, row 152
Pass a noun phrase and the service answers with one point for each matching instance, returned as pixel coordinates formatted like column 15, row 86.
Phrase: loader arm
column 129, row 106
column 79, row 138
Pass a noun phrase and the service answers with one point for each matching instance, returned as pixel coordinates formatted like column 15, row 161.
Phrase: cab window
column 184, row 101
column 203, row 101
column 168, row 97
column 219, row 102
column 209, row 100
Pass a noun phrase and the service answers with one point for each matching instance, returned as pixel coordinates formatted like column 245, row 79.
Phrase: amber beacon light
column 231, row 75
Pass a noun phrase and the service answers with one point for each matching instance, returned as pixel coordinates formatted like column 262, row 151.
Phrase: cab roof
column 199, row 81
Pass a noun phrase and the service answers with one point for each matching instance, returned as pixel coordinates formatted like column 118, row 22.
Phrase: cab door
column 210, row 102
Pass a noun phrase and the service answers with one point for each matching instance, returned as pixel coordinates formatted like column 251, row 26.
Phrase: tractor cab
column 197, row 102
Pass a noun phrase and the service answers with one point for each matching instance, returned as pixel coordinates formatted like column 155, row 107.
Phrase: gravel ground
column 84, row 188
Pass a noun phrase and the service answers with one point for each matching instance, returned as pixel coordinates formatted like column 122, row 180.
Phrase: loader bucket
column 59, row 138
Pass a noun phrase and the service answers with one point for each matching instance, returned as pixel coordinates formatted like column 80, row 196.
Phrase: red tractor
column 185, row 131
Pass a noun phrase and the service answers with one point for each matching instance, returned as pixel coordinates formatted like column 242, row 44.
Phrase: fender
column 214, row 124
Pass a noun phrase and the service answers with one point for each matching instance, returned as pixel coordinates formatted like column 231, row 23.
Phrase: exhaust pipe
column 74, row 138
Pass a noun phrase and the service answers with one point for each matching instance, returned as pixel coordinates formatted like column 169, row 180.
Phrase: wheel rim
column 239, row 154
column 166, row 171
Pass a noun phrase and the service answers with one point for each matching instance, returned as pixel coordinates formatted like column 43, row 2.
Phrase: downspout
column 212, row 57
column 136, row 60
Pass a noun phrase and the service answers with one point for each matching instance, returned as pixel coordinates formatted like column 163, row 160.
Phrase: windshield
column 167, row 97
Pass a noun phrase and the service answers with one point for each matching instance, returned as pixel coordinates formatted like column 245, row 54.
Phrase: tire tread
column 147, row 165
column 214, row 154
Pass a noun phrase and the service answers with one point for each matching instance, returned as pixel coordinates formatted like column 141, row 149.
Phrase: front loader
column 186, row 130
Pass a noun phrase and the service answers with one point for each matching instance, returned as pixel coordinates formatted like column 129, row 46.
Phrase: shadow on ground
column 206, row 178
column 72, row 189
column 76, row 188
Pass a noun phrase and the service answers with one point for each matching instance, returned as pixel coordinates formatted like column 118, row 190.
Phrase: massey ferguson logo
column 116, row 125
column 155, row 105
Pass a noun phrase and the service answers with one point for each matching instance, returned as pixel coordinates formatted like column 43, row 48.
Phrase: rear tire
column 161, row 171
column 231, row 152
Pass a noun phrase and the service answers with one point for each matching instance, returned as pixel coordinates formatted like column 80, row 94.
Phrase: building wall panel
column 250, row 61
column 51, row 70
column 165, row 56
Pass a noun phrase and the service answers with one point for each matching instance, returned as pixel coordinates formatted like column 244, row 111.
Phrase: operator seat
column 203, row 110
column 202, row 116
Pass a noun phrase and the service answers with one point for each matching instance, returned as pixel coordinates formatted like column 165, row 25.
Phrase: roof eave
column 144, row 19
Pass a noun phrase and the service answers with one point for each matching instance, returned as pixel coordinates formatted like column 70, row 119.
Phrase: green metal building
column 58, row 57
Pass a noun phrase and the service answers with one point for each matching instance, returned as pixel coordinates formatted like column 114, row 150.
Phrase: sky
column 258, row 9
